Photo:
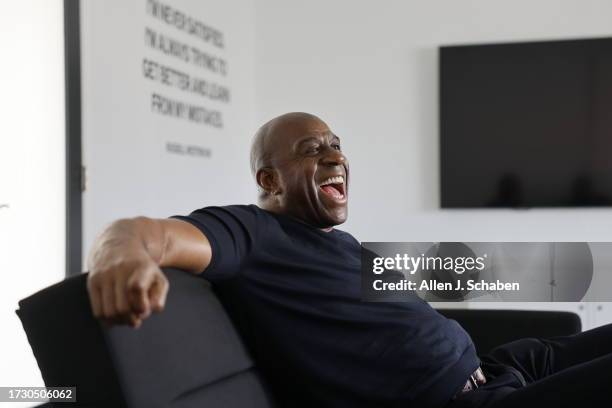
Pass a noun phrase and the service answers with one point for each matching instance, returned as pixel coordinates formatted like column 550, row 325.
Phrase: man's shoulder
column 250, row 213
column 237, row 209
column 234, row 215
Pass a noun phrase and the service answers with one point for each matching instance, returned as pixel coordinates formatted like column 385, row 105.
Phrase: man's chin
column 334, row 218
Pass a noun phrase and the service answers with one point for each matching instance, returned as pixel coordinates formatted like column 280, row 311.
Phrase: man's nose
column 333, row 157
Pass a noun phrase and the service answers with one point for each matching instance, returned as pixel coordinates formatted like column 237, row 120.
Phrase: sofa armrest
column 68, row 343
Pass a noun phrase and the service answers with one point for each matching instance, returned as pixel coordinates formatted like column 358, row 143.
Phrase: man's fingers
column 135, row 321
column 128, row 300
column 121, row 301
column 139, row 302
column 122, row 305
column 109, row 311
column 95, row 297
column 138, row 286
column 158, row 293
column 102, row 303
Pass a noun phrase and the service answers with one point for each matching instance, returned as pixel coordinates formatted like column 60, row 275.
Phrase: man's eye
column 312, row 149
column 336, row 146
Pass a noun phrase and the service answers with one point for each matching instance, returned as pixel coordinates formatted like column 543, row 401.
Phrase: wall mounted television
column 526, row 124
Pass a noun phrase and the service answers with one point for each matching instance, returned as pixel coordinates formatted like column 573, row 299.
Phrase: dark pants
column 570, row 371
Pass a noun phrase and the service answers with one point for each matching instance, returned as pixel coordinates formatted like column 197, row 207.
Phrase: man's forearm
column 168, row 242
column 130, row 237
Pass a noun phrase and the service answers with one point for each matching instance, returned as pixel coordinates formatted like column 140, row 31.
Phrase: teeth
column 333, row 180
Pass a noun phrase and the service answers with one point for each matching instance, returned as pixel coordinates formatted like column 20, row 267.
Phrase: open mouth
column 334, row 187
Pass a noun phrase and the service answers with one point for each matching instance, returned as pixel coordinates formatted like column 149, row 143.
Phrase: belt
column 475, row 380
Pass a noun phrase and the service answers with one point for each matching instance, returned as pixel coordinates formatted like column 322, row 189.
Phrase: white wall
column 32, row 171
column 129, row 170
column 369, row 68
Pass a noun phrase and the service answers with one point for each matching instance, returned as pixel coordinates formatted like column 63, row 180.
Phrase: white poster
column 167, row 107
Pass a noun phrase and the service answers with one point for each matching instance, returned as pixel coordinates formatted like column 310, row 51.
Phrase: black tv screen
column 526, row 124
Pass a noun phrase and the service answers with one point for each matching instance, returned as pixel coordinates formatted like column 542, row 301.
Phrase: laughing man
column 291, row 282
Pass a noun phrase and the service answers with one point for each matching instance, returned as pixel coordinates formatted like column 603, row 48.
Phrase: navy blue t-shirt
column 294, row 293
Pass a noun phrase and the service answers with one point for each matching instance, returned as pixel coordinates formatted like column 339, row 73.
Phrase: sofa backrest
column 188, row 356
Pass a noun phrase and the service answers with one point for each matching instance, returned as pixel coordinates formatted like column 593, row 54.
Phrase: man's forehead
column 294, row 140
column 328, row 135
column 296, row 131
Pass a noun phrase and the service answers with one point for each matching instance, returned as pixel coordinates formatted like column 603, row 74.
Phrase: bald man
column 291, row 282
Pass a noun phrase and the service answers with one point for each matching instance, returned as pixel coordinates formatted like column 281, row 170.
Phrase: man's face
column 313, row 173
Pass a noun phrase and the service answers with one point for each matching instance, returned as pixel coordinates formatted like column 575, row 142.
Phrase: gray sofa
column 190, row 355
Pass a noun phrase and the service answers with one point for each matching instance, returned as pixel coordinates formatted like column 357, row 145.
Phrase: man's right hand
column 125, row 281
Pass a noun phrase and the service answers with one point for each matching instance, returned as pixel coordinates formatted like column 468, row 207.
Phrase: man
column 291, row 283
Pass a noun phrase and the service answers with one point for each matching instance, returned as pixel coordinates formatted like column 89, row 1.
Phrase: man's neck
column 276, row 210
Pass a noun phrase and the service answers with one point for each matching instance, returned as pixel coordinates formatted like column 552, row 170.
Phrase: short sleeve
column 231, row 231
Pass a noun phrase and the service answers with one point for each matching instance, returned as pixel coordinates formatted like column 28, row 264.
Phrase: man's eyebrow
column 308, row 140
column 316, row 139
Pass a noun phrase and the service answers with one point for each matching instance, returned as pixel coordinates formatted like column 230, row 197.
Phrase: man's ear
column 267, row 179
